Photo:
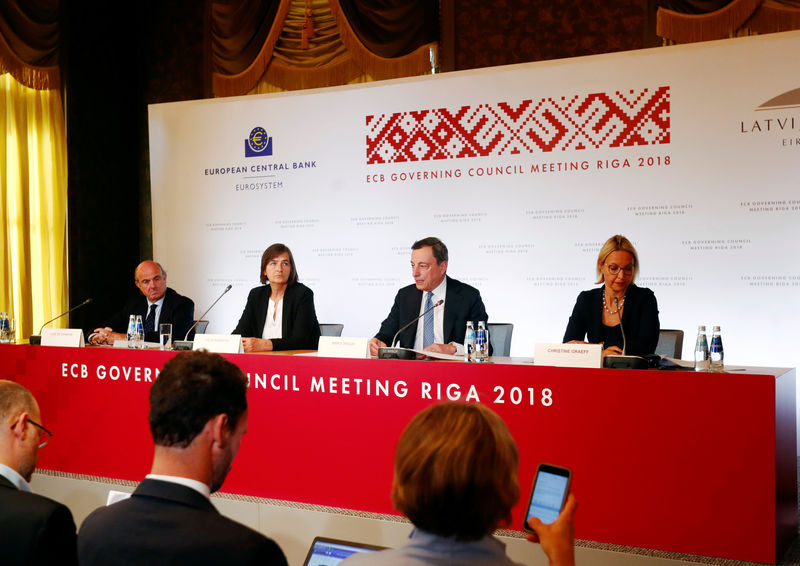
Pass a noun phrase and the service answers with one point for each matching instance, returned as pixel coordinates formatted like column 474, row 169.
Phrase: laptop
column 329, row 551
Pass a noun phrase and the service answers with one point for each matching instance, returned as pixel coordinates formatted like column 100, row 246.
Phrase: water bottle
column 482, row 347
column 469, row 343
column 717, row 352
column 701, row 350
column 5, row 328
column 131, row 334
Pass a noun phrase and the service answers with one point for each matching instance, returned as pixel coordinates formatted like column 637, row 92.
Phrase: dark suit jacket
column 34, row 530
column 463, row 303
column 639, row 319
column 166, row 523
column 299, row 326
column 176, row 310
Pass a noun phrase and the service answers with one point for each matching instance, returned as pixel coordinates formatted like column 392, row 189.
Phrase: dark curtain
column 238, row 30
column 29, row 41
column 30, row 28
column 388, row 28
column 393, row 28
column 693, row 6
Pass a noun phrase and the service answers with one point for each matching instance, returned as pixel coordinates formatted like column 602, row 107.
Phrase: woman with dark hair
column 599, row 314
column 279, row 315
column 455, row 478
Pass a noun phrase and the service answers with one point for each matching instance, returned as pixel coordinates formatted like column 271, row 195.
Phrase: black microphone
column 392, row 353
column 187, row 344
column 621, row 329
column 36, row 339
column 623, row 361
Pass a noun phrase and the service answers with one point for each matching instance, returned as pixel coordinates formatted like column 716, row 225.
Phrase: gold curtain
column 33, row 205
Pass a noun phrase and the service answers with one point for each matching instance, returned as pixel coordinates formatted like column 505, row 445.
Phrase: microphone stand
column 187, row 344
column 392, row 353
column 36, row 339
column 623, row 361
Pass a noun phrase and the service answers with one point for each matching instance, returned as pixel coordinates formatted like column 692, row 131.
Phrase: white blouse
column 273, row 326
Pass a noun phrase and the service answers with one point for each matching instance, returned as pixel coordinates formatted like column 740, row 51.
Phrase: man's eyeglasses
column 44, row 434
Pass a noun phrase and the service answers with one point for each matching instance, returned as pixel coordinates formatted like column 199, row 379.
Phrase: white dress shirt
column 440, row 293
column 11, row 475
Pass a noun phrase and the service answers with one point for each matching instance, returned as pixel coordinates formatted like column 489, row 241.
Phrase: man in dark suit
column 158, row 304
column 198, row 414
column 442, row 329
column 34, row 530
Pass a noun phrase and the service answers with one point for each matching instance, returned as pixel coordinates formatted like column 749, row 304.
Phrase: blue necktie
column 150, row 321
column 427, row 328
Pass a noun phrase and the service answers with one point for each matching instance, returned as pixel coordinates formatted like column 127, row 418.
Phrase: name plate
column 341, row 347
column 568, row 355
column 71, row 337
column 219, row 343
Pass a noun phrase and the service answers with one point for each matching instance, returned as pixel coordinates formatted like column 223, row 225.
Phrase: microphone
column 187, row 344
column 36, row 339
column 392, row 353
column 623, row 361
column 622, row 330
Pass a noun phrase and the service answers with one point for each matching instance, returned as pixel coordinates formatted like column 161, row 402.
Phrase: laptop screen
column 329, row 552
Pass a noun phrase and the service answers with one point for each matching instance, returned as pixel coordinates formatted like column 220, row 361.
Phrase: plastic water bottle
column 717, row 352
column 138, row 340
column 483, row 342
column 469, row 343
column 131, row 334
column 701, row 350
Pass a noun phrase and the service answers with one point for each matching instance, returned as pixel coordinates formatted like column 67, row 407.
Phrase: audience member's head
column 456, row 471
column 20, row 431
column 199, row 402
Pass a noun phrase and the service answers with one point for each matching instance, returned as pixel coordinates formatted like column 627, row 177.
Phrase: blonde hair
column 455, row 471
column 617, row 243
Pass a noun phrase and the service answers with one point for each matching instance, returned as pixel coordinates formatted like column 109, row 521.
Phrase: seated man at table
column 442, row 329
column 157, row 304
column 198, row 414
column 34, row 530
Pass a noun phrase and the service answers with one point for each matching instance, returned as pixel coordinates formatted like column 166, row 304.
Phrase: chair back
column 201, row 327
column 331, row 329
column 500, row 338
column 670, row 343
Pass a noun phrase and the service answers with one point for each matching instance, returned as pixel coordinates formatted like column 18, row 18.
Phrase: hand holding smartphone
column 550, row 490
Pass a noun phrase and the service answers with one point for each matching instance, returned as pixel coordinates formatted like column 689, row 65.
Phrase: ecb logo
column 258, row 143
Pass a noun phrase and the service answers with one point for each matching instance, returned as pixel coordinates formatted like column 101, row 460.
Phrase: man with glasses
column 157, row 304
column 198, row 415
column 34, row 530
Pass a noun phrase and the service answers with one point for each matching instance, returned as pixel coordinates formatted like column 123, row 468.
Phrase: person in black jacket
column 157, row 304
column 432, row 286
column 198, row 415
column 279, row 315
column 598, row 312
column 34, row 530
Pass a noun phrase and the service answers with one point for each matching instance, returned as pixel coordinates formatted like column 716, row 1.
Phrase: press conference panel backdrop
column 693, row 152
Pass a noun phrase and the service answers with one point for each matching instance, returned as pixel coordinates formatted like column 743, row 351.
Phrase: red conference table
column 699, row 463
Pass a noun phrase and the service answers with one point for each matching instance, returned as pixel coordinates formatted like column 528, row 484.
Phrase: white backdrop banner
column 693, row 152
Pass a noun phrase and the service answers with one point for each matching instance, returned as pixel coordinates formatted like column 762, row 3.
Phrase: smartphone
column 549, row 493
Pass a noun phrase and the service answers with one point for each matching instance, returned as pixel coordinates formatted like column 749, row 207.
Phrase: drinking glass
column 165, row 336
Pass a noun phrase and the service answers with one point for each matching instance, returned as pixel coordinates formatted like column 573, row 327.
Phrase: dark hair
column 273, row 251
column 455, row 471
column 439, row 249
column 191, row 389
